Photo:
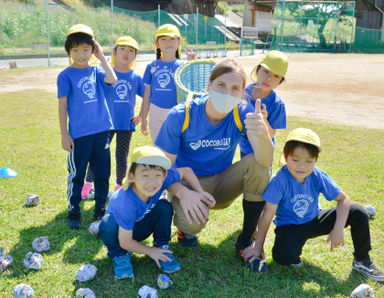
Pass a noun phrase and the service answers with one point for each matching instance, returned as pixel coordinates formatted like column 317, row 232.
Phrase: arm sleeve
column 169, row 137
column 147, row 75
column 274, row 191
column 63, row 85
column 140, row 86
column 173, row 176
column 328, row 188
column 277, row 117
column 100, row 72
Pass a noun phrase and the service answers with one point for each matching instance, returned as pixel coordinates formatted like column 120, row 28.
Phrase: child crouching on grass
column 136, row 211
column 293, row 195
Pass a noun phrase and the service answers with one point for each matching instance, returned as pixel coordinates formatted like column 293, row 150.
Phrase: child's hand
column 253, row 251
column 191, row 55
column 158, row 254
column 136, row 120
column 67, row 143
column 336, row 237
column 98, row 52
column 144, row 127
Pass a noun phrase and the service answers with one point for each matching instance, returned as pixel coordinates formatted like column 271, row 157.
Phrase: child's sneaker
column 367, row 268
column 169, row 267
column 98, row 213
column 74, row 221
column 187, row 240
column 297, row 265
column 117, row 187
column 85, row 190
column 123, row 267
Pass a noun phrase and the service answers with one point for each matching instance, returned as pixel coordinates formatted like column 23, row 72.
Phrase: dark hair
column 259, row 66
column 290, row 146
column 227, row 66
column 134, row 165
column 75, row 39
column 158, row 54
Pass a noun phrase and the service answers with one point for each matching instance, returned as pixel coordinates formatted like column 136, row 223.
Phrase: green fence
column 311, row 26
column 368, row 41
column 24, row 26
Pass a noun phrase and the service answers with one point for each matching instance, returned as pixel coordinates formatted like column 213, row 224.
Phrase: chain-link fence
column 34, row 28
column 311, row 26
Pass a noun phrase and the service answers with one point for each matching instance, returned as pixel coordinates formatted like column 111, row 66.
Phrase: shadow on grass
column 72, row 246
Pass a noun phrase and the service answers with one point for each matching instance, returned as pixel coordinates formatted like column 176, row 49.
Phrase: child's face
column 124, row 55
column 81, row 55
column 147, row 181
column 267, row 80
column 168, row 45
column 300, row 164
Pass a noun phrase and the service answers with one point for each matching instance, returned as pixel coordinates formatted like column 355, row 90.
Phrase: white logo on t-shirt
column 88, row 86
column 196, row 145
column 300, row 208
column 220, row 144
column 122, row 91
column 163, row 79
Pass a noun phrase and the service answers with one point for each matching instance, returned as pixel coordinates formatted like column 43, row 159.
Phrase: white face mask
column 223, row 103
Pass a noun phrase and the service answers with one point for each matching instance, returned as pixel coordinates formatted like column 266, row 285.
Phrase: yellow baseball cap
column 125, row 41
column 148, row 155
column 303, row 135
column 80, row 28
column 167, row 30
column 275, row 61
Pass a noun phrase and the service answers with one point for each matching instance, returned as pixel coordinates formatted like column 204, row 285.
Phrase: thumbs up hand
column 254, row 122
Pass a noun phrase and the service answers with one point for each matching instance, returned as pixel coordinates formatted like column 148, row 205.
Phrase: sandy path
column 343, row 88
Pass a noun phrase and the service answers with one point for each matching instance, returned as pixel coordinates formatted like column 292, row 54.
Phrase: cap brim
column 160, row 161
column 126, row 44
column 168, row 34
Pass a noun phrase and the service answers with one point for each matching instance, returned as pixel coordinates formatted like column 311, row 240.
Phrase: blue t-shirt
column 206, row 148
column 160, row 75
column 277, row 117
column 121, row 98
column 88, row 112
column 298, row 203
column 128, row 208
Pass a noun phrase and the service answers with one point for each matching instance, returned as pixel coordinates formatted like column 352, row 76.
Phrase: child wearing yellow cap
column 121, row 99
column 267, row 76
column 85, row 134
column 160, row 91
column 137, row 211
column 293, row 196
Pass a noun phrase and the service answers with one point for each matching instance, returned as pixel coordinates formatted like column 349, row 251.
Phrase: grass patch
column 31, row 146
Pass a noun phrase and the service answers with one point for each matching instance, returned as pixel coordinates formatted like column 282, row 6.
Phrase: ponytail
column 158, row 54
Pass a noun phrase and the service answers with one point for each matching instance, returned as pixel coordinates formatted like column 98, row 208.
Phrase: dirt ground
column 340, row 88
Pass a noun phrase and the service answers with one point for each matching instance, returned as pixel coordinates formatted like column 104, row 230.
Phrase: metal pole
column 225, row 32
column 158, row 15
column 111, row 46
column 48, row 37
column 197, row 26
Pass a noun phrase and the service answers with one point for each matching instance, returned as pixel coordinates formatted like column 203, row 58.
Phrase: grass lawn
column 30, row 138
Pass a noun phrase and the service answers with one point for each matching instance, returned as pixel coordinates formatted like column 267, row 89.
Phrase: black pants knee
column 290, row 239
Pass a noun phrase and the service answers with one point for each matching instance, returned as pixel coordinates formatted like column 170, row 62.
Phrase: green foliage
column 30, row 136
column 24, row 25
column 224, row 6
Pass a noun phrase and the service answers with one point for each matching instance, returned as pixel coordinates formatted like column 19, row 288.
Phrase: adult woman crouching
column 204, row 135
